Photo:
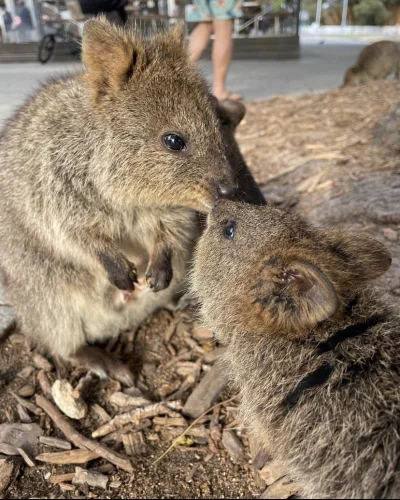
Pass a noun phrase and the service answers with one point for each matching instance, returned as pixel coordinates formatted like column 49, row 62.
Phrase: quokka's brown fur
column 87, row 188
column 314, row 349
column 375, row 62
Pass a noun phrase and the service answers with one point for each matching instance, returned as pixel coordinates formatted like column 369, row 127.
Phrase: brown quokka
column 375, row 62
column 101, row 170
column 313, row 347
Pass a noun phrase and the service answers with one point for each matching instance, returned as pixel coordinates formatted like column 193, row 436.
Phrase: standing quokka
column 314, row 349
column 97, row 171
column 375, row 62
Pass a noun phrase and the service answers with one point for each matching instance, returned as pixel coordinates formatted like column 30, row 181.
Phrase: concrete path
column 321, row 67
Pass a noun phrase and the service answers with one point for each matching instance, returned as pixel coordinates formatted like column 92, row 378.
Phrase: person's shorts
column 207, row 10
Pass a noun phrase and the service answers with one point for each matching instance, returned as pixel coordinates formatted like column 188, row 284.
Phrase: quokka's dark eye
column 174, row 142
column 229, row 229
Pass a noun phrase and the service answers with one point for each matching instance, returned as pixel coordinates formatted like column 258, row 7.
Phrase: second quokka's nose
column 224, row 190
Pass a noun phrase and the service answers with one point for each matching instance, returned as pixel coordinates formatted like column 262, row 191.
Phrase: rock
column 207, row 392
column 282, row 489
column 233, row 445
column 62, row 392
column 390, row 234
column 13, row 436
column 55, row 443
column 26, row 391
column 95, row 479
column 41, row 362
column 271, row 472
column 6, row 470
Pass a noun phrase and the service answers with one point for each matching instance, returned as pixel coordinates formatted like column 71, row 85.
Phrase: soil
column 314, row 154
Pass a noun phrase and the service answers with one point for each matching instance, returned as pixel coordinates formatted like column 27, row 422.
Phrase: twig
column 26, row 404
column 81, row 441
column 176, row 441
column 5, row 305
column 136, row 415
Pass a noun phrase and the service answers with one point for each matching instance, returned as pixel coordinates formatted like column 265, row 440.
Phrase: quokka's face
column 164, row 131
column 261, row 269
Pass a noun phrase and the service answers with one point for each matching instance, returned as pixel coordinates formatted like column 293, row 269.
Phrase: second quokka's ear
column 110, row 57
column 364, row 257
column 297, row 297
column 231, row 112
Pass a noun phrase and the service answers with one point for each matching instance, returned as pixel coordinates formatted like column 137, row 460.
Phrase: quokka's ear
column 110, row 56
column 230, row 112
column 364, row 257
column 296, row 297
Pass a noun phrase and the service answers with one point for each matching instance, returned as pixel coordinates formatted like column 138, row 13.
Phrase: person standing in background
column 215, row 16
column 23, row 22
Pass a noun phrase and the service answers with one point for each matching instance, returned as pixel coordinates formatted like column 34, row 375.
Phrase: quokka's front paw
column 159, row 276
column 121, row 272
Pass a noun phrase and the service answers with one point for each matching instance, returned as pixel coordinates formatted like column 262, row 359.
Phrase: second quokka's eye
column 174, row 142
column 229, row 229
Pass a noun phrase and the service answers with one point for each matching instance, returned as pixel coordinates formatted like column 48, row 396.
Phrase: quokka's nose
column 224, row 190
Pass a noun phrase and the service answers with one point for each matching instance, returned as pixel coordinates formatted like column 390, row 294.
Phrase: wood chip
column 26, row 391
column 201, row 334
column 79, row 440
column 170, row 422
column 42, row 363
column 282, row 489
column 94, row 479
column 207, row 392
column 13, row 436
column 6, row 471
column 121, row 399
column 66, row 487
column 62, row 478
column 115, row 485
column 215, row 427
column 68, row 457
column 214, row 355
column 233, row 445
column 55, row 443
column 27, row 458
column 169, row 332
column 26, row 372
column 17, row 339
column 64, row 397
column 134, row 444
column 23, row 414
column 100, row 413
column 135, row 416
column 44, row 383
column 167, row 389
column 26, row 404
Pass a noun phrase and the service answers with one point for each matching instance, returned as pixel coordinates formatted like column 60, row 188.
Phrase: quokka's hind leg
column 103, row 364
column 62, row 314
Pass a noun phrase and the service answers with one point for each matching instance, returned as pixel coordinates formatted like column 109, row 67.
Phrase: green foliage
column 371, row 13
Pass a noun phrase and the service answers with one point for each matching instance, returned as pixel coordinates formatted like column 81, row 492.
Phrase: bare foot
column 223, row 95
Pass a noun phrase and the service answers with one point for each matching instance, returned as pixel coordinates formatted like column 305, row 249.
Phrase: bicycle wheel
column 46, row 48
